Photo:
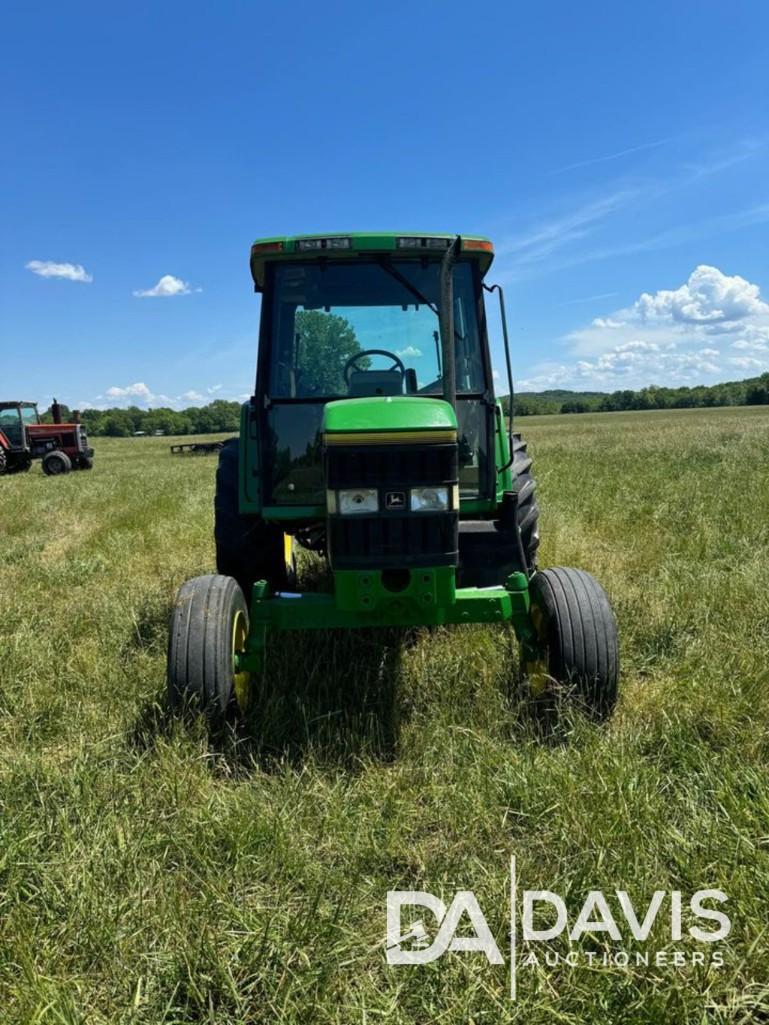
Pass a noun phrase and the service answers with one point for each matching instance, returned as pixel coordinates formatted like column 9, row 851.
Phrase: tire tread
column 581, row 635
column 199, row 647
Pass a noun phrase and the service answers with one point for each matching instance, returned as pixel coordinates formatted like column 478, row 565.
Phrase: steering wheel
column 351, row 363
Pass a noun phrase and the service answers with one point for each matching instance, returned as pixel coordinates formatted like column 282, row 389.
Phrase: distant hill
column 753, row 391
column 562, row 394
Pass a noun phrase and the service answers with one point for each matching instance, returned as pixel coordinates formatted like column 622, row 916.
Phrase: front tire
column 209, row 628
column 577, row 649
column 56, row 463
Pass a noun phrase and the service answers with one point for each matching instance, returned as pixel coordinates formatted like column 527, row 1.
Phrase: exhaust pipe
column 56, row 412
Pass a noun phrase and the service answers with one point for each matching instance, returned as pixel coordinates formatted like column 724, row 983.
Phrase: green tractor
column 374, row 439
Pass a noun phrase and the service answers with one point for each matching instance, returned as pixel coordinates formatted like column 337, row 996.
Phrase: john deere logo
column 395, row 500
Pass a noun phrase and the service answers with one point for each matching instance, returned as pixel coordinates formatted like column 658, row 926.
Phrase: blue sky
column 612, row 151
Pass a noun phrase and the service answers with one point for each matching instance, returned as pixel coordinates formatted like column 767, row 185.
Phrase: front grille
column 393, row 537
column 426, row 539
column 390, row 465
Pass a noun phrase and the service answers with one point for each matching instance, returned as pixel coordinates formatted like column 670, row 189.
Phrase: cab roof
column 357, row 243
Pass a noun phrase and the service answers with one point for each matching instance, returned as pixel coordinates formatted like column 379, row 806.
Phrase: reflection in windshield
column 10, row 416
column 10, row 425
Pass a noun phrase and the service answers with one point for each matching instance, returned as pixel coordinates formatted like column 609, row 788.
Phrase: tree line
column 751, row 392
column 218, row 416
column 221, row 416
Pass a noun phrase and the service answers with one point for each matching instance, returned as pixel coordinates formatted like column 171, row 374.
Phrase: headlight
column 429, row 499
column 361, row 500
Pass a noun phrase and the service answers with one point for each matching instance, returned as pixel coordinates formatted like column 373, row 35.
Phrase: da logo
column 418, row 951
column 461, row 927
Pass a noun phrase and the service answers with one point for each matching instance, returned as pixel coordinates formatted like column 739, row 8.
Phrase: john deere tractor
column 374, row 439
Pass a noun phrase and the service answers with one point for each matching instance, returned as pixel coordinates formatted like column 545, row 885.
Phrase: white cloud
column 753, row 338
column 496, row 375
column 165, row 288
column 746, row 362
column 709, row 296
column 552, row 234
column 668, row 337
column 529, row 263
column 682, row 233
column 410, row 352
column 589, row 298
column 140, row 394
column 644, row 362
column 606, row 322
column 138, row 390
column 725, row 159
column 610, row 156
column 67, row 271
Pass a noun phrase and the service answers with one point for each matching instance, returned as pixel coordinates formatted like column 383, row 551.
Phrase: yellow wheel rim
column 537, row 675
column 241, row 681
column 537, row 670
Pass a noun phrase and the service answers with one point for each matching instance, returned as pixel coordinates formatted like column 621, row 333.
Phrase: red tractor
column 62, row 447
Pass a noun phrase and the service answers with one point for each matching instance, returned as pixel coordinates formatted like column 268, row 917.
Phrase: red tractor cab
column 61, row 447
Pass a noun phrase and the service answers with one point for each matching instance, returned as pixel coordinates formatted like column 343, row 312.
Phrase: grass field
column 151, row 875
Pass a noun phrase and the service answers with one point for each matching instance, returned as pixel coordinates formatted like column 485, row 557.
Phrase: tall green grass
column 152, row 874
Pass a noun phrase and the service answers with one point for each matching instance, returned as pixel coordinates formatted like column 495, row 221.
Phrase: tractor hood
column 388, row 420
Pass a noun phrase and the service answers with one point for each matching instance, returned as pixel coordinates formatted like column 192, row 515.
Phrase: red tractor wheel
column 56, row 463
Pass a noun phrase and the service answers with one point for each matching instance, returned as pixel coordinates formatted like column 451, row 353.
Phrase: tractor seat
column 375, row 382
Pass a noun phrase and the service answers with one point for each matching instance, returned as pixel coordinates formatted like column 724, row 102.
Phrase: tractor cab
column 373, row 435
column 15, row 417
column 360, row 317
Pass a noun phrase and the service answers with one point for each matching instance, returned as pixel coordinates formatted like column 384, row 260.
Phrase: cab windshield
column 326, row 317
column 11, row 420
column 9, row 417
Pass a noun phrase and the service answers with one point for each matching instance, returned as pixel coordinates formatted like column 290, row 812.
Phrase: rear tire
column 247, row 548
column 56, row 463
column 527, row 508
column 209, row 625
column 578, row 650
column 3, row 461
